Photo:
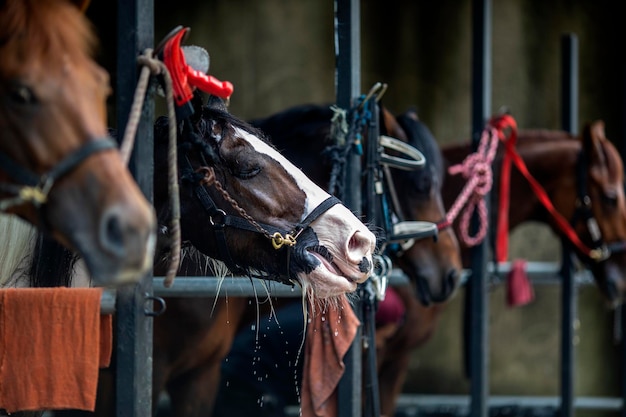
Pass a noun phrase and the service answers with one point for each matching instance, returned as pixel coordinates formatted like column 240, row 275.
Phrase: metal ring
column 154, row 313
column 220, row 216
column 417, row 160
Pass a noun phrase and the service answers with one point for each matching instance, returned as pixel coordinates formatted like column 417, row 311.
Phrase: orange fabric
column 329, row 336
column 52, row 342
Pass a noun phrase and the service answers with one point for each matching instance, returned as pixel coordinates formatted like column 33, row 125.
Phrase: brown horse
column 565, row 166
column 583, row 178
column 188, row 358
column 60, row 170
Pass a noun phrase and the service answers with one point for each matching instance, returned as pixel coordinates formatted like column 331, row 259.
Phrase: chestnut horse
column 569, row 168
column 59, row 169
column 583, row 178
column 188, row 358
column 236, row 192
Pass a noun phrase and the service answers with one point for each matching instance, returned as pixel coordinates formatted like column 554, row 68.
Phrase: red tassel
column 519, row 289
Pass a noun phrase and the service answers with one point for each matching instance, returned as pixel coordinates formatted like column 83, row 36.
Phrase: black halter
column 29, row 187
column 584, row 213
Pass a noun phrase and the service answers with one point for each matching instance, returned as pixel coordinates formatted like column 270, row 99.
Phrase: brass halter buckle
column 278, row 241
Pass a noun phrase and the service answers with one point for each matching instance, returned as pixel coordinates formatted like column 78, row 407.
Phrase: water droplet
column 323, row 318
column 336, row 333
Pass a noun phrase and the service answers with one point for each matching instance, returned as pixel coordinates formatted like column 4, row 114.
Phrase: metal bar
column 347, row 86
column 135, row 22
column 569, row 294
column 448, row 401
column 540, row 273
column 478, row 331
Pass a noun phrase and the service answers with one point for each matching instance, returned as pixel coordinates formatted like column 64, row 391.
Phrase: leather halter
column 28, row 187
column 600, row 250
column 219, row 219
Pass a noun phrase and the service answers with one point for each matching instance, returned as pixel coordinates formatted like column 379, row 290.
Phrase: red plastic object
column 185, row 78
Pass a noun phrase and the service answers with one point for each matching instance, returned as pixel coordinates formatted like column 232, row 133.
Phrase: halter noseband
column 34, row 189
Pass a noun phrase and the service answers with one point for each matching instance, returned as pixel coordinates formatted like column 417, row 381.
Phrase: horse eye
column 22, row 94
column 248, row 173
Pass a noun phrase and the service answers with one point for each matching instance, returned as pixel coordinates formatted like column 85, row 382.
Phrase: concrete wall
column 279, row 53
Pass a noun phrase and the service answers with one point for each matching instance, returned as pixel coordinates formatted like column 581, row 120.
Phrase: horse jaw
column 350, row 246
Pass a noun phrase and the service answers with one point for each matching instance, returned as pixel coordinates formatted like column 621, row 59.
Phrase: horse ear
column 81, row 4
column 217, row 103
column 593, row 138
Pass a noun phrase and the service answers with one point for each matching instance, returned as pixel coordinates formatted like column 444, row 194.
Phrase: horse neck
column 552, row 162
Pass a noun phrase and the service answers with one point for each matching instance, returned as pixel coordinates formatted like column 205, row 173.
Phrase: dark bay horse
column 234, row 186
column 59, row 169
column 187, row 359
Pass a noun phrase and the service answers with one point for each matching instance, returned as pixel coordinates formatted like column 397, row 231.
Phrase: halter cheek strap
column 28, row 187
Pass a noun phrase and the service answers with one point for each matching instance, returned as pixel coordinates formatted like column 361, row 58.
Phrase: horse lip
column 327, row 260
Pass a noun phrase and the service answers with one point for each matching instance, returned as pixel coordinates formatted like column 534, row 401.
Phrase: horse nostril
column 360, row 245
column 365, row 265
column 111, row 233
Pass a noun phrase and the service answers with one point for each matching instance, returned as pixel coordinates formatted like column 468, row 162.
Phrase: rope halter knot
column 476, row 168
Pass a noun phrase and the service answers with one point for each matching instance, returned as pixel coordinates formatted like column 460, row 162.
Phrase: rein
column 34, row 189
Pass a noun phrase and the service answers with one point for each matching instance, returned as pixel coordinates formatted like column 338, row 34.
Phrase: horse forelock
column 50, row 30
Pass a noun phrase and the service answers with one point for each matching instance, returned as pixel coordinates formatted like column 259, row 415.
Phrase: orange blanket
column 52, row 342
column 329, row 336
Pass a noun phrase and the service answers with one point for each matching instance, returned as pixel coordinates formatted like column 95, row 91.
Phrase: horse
column 59, row 169
column 583, row 178
column 194, row 352
column 571, row 169
column 237, row 192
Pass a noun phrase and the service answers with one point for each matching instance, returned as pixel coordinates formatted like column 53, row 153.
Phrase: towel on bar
column 52, row 342
column 330, row 334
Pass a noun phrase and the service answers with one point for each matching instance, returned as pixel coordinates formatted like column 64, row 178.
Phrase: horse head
column 601, row 206
column 434, row 266
column 245, row 204
column 302, row 132
column 60, row 171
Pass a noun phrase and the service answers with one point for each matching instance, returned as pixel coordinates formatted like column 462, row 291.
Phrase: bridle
column 29, row 187
column 599, row 250
column 204, row 176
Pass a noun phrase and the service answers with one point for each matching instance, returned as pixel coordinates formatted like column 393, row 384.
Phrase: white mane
column 17, row 243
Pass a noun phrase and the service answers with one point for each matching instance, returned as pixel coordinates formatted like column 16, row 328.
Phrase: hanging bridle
column 204, row 176
column 28, row 187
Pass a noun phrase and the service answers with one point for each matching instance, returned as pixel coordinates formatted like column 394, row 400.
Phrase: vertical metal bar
column 478, row 291
column 370, row 369
column 135, row 21
column 569, row 83
column 621, row 138
column 569, row 295
column 347, row 87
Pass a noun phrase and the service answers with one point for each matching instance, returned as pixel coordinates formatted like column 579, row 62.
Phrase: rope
column 153, row 66
column 476, row 169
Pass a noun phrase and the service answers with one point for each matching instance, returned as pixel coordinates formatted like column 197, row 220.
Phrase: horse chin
column 326, row 283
